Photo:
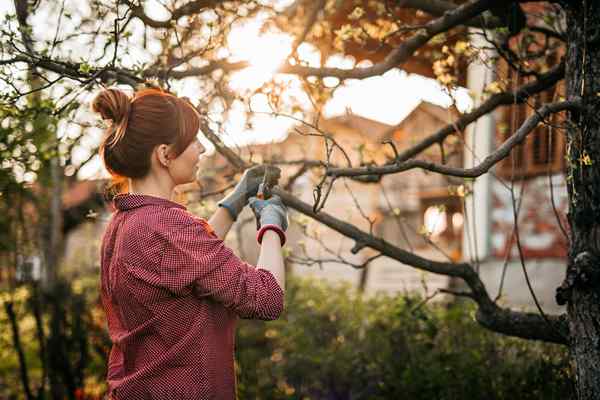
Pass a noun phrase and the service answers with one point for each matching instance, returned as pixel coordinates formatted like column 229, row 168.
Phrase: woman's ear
column 162, row 153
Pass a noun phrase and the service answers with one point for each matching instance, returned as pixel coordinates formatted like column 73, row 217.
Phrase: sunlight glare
column 265, row 53
column 435, row 221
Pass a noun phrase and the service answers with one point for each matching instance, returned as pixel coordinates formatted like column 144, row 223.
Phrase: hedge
column 331, row 343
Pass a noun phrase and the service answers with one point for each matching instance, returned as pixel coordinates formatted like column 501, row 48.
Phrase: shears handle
column 263, row 193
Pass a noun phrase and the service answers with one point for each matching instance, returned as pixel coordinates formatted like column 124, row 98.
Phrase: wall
column 539, row 231
column 543, row 244
column 545, row 276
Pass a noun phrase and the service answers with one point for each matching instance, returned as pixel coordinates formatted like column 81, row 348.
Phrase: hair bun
column 112, row 104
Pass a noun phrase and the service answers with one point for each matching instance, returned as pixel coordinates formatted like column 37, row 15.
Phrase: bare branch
column 439, row 7
column 16, row 337
column 310, row 21
column 22, row 9
column 190, row 8
column 226, row 152
column 290, row 183
column 517, row 96
column 216, row 192
column 73, row 70
column 502, row 152
column 525, row 325
column 199, row 71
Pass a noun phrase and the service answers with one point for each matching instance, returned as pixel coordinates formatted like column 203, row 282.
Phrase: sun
column 264, row 52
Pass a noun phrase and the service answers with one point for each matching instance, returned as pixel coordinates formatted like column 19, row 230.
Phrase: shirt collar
column 128, row 201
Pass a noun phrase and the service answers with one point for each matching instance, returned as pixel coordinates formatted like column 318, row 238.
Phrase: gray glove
column 247, row 187
column 272, row 215
column 271, row 211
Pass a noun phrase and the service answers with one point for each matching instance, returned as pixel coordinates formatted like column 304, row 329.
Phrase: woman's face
column 183, row 169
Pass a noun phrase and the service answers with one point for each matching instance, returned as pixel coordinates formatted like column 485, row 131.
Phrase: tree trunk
column 581, row 285
column 54, row 244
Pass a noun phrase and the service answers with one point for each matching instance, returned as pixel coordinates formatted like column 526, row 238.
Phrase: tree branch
column 74, row 71
column 439, row 7
column 502, row 152
column 525, row 325
column 450, row 19
column 223, row 65
column 310, row 21
column 193, row 7
column 518, row 96
column 8, row 307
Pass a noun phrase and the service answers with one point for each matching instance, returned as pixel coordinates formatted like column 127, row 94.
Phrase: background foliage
column 330, row 343
column 333, row 344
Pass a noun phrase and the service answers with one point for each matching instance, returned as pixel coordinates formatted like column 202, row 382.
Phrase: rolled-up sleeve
column 194, row 257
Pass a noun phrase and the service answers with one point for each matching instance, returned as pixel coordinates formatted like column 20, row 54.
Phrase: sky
column 388, row 98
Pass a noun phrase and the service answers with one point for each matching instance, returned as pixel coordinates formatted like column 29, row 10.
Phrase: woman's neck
column 151, row 187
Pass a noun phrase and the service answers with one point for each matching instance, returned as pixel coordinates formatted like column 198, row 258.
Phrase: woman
column 171, row 289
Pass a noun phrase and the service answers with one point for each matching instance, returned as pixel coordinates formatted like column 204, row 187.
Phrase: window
column 436, row 218
column 543, row 149
column 443, row 220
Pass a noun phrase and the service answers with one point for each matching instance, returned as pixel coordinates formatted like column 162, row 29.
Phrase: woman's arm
column 271, row 257
column 221, row 222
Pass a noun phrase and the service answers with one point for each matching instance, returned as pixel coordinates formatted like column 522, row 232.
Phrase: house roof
column 364, row 125
column 438, row 113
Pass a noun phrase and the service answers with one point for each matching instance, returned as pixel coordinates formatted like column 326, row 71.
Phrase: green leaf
column 503, row 30
column 84, row 68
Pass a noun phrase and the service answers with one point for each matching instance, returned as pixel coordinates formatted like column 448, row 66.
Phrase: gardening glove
column 247, row 187
column 271, row 214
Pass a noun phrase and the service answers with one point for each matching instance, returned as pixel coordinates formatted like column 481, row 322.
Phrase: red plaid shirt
column 172, row 292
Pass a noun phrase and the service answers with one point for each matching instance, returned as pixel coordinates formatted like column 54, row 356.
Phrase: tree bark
column 582, row 284
column 12, row 317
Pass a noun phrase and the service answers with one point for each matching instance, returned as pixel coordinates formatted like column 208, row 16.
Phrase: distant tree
column 53, row 54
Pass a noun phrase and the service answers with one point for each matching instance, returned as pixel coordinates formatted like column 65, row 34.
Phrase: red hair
column 138, row 124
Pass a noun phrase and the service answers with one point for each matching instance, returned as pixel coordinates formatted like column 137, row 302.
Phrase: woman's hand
column 247, row 187
column 271, row 214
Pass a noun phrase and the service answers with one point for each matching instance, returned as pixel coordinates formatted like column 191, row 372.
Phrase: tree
column 178, row 43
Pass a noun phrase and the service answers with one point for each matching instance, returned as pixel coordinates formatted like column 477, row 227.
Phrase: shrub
column 331, row 343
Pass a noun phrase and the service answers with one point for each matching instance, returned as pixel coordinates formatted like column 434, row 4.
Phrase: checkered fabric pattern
column 172, row 292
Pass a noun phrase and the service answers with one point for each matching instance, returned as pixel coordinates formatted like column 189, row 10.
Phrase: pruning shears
column 264, row 191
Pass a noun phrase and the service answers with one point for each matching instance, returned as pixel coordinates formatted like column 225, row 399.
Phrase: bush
column 332, row 344
column 329, row 344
